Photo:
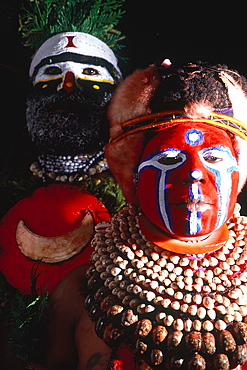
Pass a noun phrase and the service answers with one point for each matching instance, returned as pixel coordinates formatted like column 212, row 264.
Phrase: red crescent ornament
column 54, row 213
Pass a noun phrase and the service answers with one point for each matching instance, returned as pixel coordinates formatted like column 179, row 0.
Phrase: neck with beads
column 172, row 308
column 67, row 168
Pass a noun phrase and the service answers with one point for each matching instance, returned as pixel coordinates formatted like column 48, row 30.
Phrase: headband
column 166, row 119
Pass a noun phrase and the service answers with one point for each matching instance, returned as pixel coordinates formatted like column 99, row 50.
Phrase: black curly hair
column 192, row 83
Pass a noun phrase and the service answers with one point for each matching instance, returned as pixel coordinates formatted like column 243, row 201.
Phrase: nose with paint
column 191, row 170
column 69, row 83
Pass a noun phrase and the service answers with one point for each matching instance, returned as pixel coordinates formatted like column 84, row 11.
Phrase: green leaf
column 40, row 19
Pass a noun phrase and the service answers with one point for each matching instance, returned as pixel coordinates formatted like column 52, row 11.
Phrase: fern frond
column 40, row 19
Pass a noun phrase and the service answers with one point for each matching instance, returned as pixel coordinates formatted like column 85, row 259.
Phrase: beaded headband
column 166, row 119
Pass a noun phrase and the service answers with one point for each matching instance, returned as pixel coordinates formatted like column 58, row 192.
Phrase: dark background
column 213, row 31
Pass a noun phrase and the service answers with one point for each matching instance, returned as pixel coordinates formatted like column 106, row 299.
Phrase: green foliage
column 40, row 19
column 26, row 326
column 107, row 191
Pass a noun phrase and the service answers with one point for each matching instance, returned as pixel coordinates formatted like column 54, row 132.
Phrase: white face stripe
column 222, row 170
column 163, row 169
column 194, row 220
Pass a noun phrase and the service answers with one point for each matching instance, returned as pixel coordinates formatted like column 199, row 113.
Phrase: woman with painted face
column 167, row 286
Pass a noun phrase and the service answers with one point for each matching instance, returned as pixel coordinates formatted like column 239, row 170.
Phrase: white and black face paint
column 73, row 77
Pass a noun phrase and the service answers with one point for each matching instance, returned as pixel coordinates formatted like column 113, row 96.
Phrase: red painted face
column 188, row 180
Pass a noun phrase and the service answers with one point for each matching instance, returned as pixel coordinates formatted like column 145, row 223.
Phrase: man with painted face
column 73, row 75
column 167, row 286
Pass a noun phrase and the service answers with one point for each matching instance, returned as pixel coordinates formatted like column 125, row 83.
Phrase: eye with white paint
column 48, row 72
column 90, row 71
column 52, row 71
column 80, row 70
column 214, row 157
column 171, row 157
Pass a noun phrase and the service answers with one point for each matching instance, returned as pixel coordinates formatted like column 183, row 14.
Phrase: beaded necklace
column 69, row 168
column 175, row 310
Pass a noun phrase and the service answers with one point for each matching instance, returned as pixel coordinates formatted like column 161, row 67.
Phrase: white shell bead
column 235, row 293
column 197, row 325
column 175, row 305
column 213, row 261
column 208, row 302
column 192, row 310
column 187, row 325
column 184, row 307
column 220, row 325
column 166, row 302
column 208, row 325
column 197, row 298
column 160, row 316
column 178, row 324
column 228, row 318
column 149, row 308
column 184, row 262
column 169, row 320
column 238, row 316
column 174, row 259
column 201, row 312
column 178, row 295
column 211, row 314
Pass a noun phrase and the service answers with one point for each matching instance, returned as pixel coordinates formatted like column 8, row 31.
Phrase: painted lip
column 194, row 205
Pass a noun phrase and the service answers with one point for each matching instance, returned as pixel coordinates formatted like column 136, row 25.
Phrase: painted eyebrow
column 78, row 58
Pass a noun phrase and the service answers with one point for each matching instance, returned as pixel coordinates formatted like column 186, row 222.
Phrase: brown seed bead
column 94, row 282
column 112, row 334
column 159, row 334
column 101, row 293
column 221, row 362
column 240, row 355
column 227, row 342
column 208, row 343
column 174, row 339
column 141, row 347
column 156, row 357
column 193, row 341
column 114, row 310
column 108, row 302
column 197, row 362
column 143, row 327
column 239, row 331
column 176, row 363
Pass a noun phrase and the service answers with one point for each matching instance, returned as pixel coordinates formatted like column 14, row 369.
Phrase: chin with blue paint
column 188, row 180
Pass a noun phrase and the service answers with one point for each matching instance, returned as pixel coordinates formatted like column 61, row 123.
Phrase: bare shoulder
column 66, row 305
column 93, row 353
column 71, row 341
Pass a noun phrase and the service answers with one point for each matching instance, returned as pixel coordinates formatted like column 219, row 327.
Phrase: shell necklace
column 69, row 168
column 177, row 311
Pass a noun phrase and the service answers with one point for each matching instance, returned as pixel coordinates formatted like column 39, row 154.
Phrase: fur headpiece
column 158, row 97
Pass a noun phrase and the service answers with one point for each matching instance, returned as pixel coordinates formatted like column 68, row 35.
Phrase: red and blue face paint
column 187, row 180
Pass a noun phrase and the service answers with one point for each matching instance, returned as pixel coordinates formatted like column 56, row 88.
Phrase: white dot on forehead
column 193, row 137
